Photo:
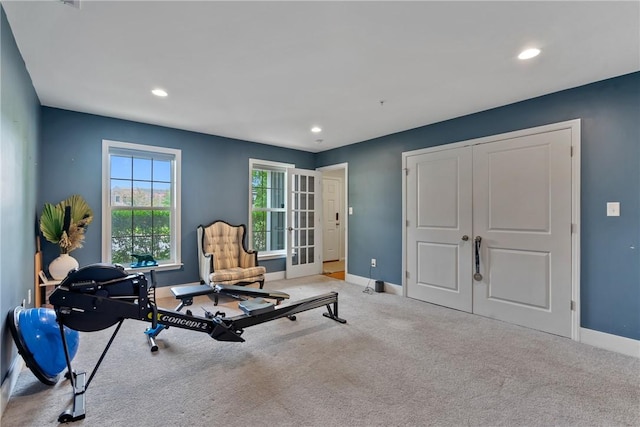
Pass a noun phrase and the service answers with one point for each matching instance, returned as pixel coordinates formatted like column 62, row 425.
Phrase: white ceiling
column 268, row 71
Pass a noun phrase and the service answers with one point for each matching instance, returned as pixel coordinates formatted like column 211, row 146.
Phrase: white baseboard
column 618, row 344
column 365, row 281
column 10, row 382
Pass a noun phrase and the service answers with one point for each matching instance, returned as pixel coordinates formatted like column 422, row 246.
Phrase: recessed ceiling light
column 159, row 92
column 316, row 129
column 529, row 53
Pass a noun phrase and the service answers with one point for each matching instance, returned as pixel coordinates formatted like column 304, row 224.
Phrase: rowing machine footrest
column 255, row 306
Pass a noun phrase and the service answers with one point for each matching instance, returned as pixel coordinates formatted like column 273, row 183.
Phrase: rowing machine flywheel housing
column 37, row 336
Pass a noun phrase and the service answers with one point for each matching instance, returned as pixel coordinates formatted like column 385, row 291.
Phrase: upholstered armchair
column 224, row 258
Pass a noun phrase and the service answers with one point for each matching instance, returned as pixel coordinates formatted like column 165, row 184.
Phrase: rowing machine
column 99, row 296
column 186, row 294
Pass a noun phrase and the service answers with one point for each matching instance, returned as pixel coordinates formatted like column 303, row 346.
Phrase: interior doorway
column 334, row 230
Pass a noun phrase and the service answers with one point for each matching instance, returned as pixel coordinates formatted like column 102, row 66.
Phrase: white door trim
column 345, row 206
column 574, row 126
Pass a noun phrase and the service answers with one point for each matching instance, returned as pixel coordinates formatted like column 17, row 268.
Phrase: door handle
column 477, row 276
column 465, row 237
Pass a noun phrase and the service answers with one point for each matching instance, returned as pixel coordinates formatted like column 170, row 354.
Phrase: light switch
column 613, row 208
column 350, row 210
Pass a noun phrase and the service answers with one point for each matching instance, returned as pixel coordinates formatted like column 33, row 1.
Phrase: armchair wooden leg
column 261, row 283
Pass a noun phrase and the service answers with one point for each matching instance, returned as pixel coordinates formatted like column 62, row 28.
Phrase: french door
column 304, row 219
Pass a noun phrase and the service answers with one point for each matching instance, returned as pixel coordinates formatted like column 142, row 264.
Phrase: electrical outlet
column 373, row 262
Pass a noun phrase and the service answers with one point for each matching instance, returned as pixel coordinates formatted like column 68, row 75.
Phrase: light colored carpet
column 397, row 362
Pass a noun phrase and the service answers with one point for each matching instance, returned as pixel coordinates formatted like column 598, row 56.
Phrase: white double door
column 489, row 229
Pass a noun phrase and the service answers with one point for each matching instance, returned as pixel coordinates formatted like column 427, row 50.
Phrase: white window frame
column 275, row 166
column 117, row 147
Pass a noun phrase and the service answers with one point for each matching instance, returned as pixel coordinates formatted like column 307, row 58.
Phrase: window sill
column 270, row 256
column 161, row 267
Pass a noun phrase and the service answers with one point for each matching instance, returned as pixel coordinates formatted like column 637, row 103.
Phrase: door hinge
column 571, row 151
column 406, row 273
column 573, row 305
column 407, row 223
column 406, row 171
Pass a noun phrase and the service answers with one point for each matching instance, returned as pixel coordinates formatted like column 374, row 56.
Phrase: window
column 267, row 221
column 140, row 203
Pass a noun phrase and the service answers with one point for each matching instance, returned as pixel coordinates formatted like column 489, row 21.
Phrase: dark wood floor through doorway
column 334, row 269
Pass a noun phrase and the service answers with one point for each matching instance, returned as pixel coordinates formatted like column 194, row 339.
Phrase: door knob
column 465, row 237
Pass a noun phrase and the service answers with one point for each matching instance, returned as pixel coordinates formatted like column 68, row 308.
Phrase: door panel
column 331, row 237
column 439, row 214
column 522, row 211
column 304, row 216
column 438, row 265
column 514, row 176
column 508, row 266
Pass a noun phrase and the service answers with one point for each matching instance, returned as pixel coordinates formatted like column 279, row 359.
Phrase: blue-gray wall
column 610, row 166
column 48, row 154
column 19, row 135
column 215, row 177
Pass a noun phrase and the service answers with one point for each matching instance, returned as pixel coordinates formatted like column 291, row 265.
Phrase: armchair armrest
column 248, row 258
column 205, row 264
column 205, row 260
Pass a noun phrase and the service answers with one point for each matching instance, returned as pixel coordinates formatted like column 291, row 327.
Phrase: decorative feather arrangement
column 65, row 223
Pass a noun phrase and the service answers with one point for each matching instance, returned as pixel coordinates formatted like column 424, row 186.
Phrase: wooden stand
column 44, row 289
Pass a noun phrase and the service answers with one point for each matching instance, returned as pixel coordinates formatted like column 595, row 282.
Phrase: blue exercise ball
column 37, row 336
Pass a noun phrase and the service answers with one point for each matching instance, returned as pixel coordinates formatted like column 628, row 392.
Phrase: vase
column 60, row 267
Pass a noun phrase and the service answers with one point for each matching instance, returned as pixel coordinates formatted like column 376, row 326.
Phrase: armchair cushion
column 224, row 258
